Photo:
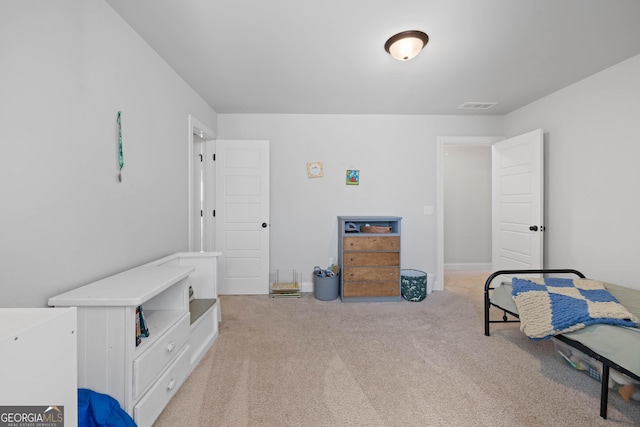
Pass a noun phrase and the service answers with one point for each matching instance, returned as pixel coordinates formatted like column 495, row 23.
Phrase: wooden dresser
column 370, row 260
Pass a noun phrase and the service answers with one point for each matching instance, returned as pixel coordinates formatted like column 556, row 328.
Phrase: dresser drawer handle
column 171, row 384
column 171, row 346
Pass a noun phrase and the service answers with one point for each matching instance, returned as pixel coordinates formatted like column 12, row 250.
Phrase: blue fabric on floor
column 101, row 410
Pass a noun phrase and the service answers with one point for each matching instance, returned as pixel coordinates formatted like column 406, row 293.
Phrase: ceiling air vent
column 476, row 105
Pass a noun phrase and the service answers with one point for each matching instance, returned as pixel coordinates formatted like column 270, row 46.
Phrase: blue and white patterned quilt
column 552, row 306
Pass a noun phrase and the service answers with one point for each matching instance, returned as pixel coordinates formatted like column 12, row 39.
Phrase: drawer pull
column 171, row 384
column 171, row 346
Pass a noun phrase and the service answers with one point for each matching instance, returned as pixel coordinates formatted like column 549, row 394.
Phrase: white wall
column 67, row 67
column 467, row 207
column 396, row 159
column 592, row 138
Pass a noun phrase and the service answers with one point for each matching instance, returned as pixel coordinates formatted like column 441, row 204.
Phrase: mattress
column 618, row 344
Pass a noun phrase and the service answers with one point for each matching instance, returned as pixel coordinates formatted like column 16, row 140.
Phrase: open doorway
column 467, row 207
column 200, row 224
column 468, row 203
column 517, row 170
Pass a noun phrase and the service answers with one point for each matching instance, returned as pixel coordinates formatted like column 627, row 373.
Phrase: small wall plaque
column 314, row 170
column 353, row 177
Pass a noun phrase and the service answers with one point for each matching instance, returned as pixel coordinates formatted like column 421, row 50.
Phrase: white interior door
column 242, row 216
column 518, row 185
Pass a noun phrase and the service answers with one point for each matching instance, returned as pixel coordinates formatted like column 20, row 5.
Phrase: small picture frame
column 314, row 170
column 353, row 177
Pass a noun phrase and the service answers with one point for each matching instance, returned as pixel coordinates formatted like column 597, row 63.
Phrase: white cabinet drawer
column 203, row 332
column 154, row 359
column 153, row 402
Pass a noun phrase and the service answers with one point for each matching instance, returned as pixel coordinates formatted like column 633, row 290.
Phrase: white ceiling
column 327, row 56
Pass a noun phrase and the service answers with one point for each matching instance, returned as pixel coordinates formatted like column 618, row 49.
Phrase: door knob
column 264, row 225
column 533, row 228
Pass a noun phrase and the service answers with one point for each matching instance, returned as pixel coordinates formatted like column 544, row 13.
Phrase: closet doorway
column 200, row 151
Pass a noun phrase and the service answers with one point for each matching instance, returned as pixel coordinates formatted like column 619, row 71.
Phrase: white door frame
column 441, row 141
column 198, row 128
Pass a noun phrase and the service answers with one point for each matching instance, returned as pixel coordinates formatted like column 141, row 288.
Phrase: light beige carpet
column 304, row 362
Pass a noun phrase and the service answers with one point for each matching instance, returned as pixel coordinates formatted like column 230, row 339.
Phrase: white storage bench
column 143, row 373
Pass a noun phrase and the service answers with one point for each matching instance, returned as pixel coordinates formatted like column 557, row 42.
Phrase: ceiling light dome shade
column 406, row 45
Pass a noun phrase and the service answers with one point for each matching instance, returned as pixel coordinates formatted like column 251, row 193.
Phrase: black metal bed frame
column 606, row 363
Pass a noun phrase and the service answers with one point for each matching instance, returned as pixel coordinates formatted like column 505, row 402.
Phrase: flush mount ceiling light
column 406, row 45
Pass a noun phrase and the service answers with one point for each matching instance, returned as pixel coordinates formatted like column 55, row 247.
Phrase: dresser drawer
column 371, row 289
column 153, row 402
column 372, row 243
column 371, row 274
column 371, row 258
column 153, row 361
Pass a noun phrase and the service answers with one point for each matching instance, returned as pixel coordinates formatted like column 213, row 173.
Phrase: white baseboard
column 306, row 287
column 468, row 266
column 432, row 284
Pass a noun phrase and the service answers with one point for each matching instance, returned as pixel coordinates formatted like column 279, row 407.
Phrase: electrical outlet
column 428, row 210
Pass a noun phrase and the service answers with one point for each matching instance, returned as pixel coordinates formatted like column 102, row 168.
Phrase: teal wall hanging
column 120, row 154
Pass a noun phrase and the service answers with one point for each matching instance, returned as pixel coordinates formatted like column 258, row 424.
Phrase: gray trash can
column 413, row 285
column 326, row 288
